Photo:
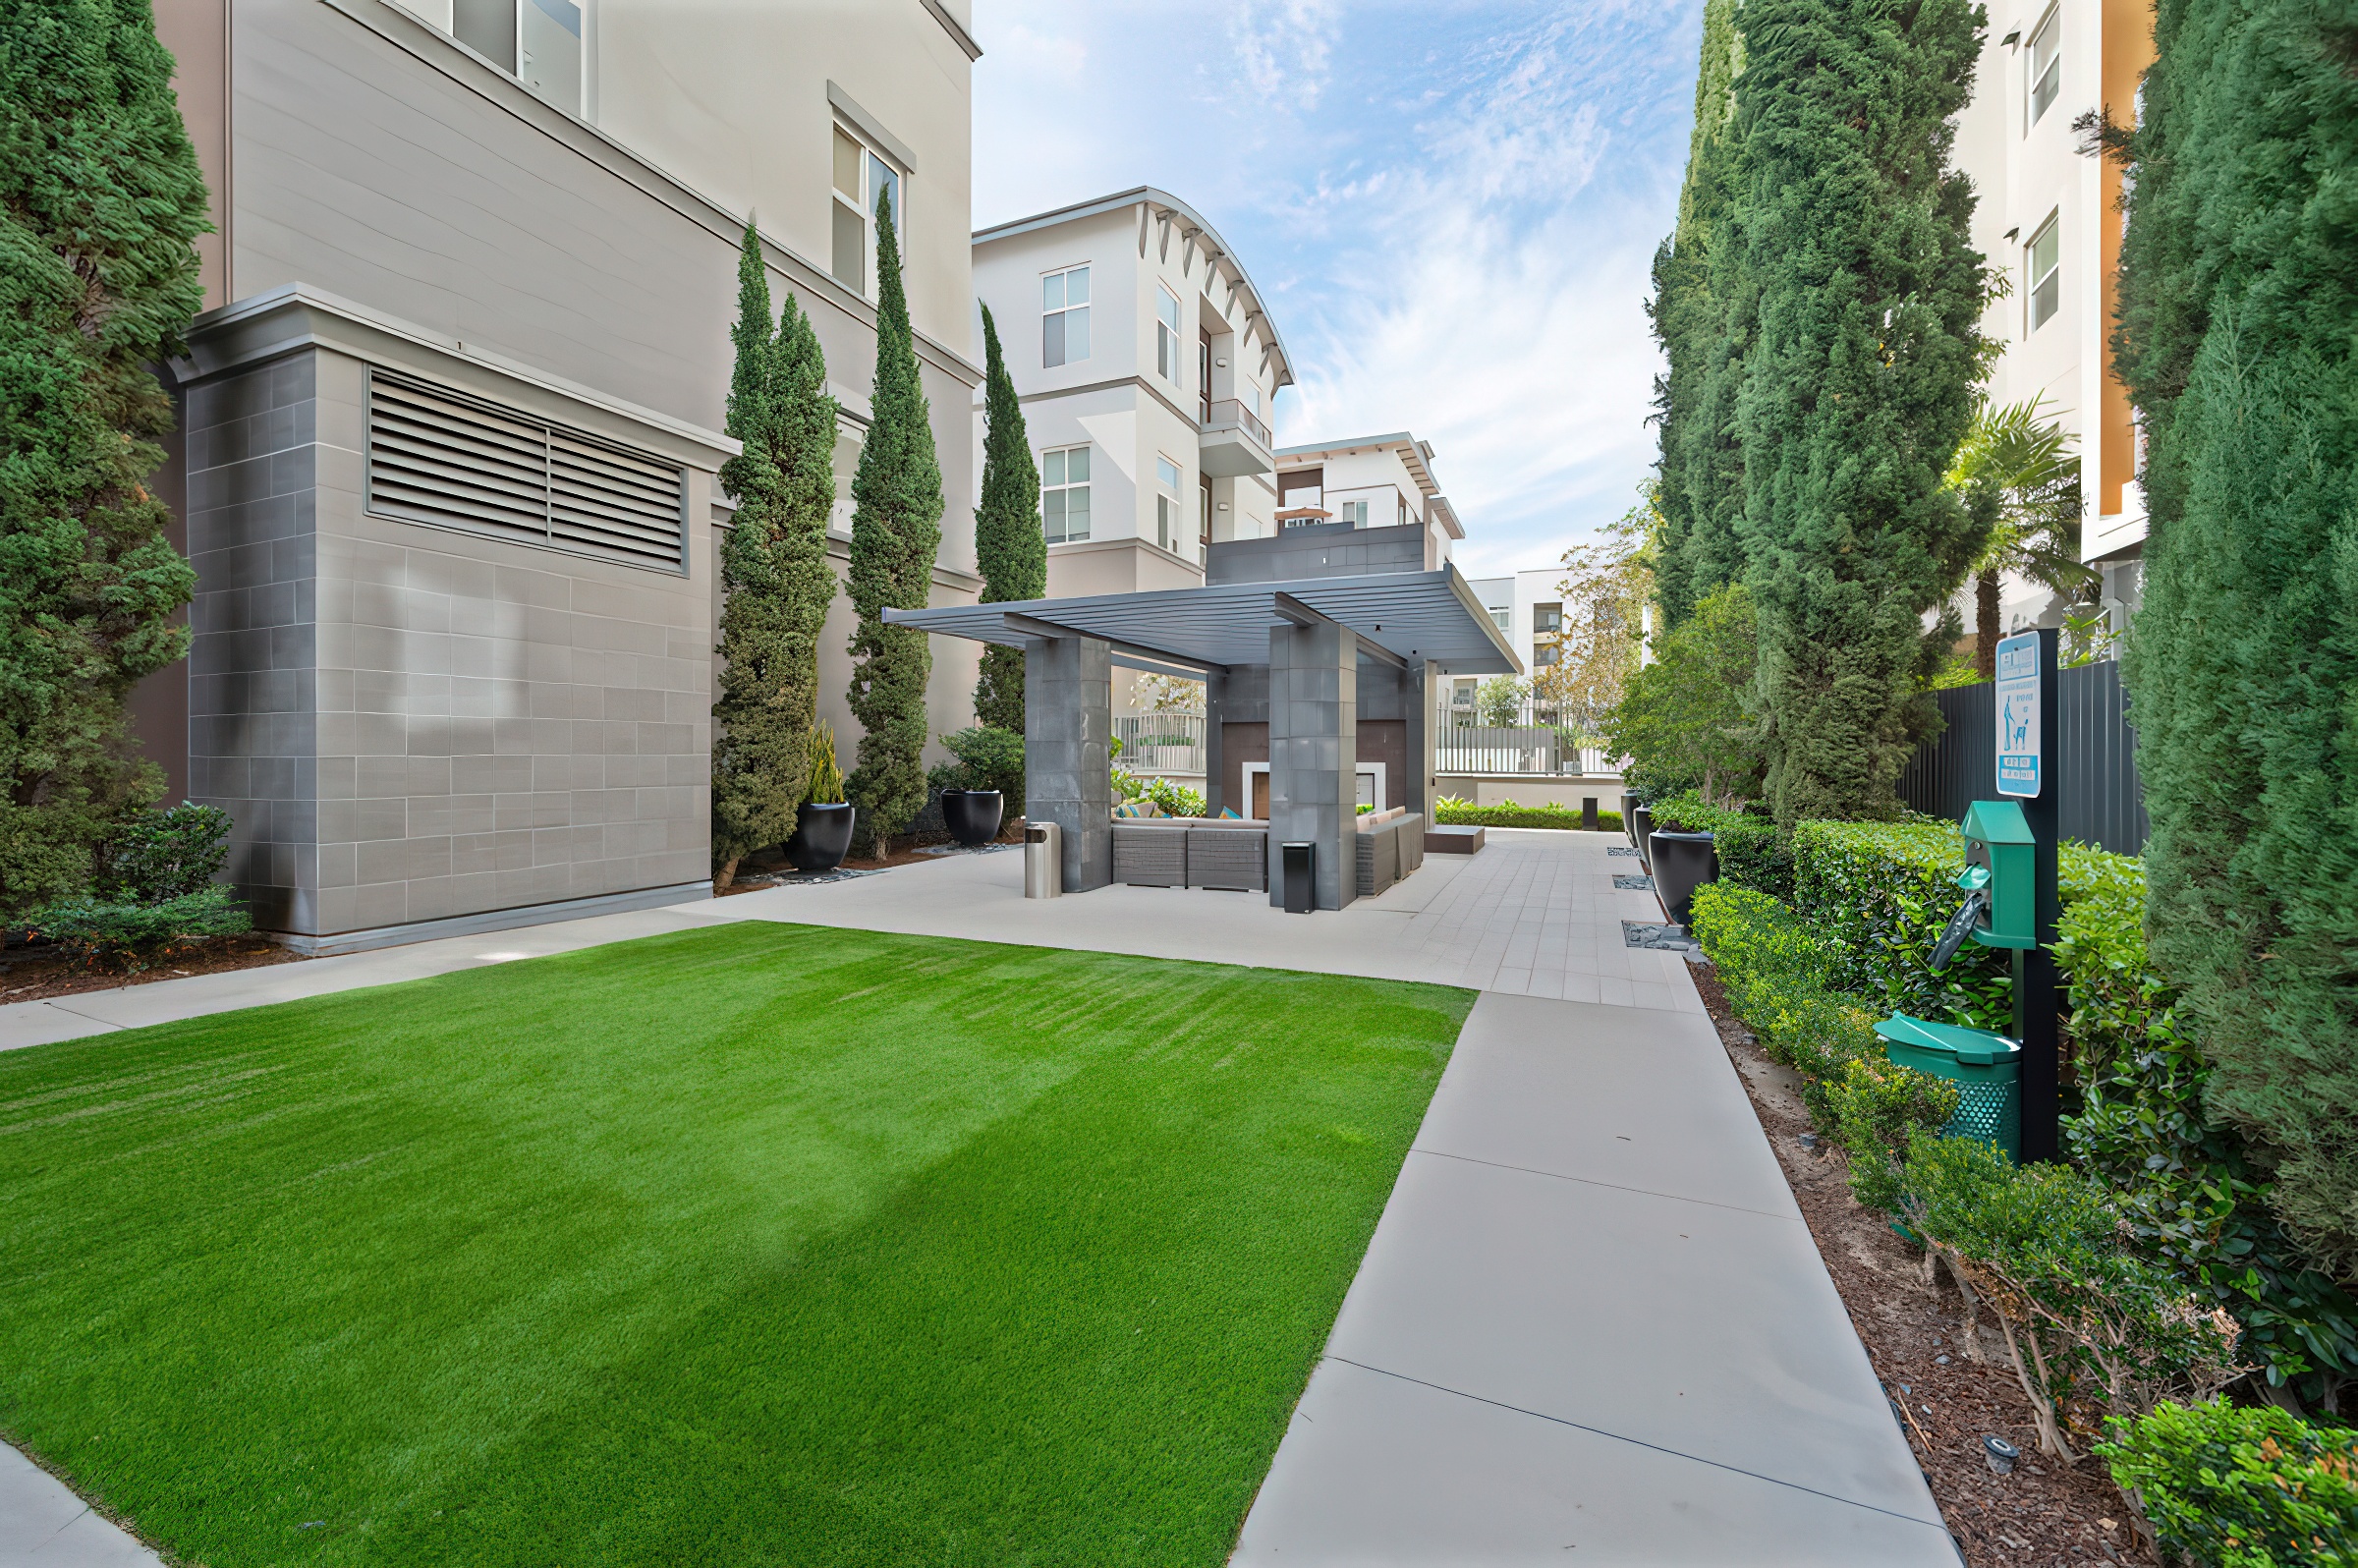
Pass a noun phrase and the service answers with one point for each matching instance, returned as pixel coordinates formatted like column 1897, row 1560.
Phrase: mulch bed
column 2045, row 1512
column 39, row 974
column 908, row 851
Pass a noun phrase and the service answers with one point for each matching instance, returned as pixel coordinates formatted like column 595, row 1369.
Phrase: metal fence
column 1159, row 743
column 1523, row 737
column 2103, row 799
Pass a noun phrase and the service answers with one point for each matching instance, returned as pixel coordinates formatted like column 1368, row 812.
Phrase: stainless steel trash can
column 1043, row 859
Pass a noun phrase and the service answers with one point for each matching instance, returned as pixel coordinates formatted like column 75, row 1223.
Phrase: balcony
column 1234, row 441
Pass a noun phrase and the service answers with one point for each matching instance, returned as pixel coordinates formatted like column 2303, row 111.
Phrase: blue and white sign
column 2017, row 704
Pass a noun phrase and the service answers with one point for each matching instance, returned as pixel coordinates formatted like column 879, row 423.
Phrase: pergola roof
column 1410, row 615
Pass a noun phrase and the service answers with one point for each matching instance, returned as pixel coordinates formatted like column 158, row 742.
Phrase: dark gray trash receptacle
column 1588, row 812
column 1682, row 863
column 1301, row 882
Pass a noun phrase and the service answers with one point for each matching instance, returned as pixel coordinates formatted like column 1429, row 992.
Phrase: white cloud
column 1451, row 208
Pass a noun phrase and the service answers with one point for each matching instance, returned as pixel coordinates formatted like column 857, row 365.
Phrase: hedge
column 2240, row 1488
column 1752, row 852
column 1453, row 811
column 1881, row 892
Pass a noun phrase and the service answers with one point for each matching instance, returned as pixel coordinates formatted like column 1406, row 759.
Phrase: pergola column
column 1068, row 734
column 1313, row 756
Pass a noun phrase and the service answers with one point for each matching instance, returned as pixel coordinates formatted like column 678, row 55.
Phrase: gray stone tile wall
column 1068, row 734
column 1323, row 549
column 1313, row 756
column 412, row 723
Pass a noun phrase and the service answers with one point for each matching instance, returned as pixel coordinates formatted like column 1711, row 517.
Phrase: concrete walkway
column 1590, row 1326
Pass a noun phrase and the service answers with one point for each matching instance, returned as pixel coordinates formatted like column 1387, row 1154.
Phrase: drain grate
column 1634, row 884
column 1623, row 849
column 1668, row 939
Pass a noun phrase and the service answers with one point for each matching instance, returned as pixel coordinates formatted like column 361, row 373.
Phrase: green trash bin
column 1986, row 1067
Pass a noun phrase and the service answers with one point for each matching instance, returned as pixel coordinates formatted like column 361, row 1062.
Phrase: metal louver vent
column 451, row 461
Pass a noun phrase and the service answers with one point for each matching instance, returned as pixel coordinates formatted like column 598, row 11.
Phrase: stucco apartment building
column 1147, row 368
column 451, row 421
column 2049, row 216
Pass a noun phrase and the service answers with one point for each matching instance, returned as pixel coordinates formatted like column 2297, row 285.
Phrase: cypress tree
column 896, row 532
column 2240, row 287
column 1859, row 377
column 101, row 203
column 773, row 570
column 1009, row 542
column 1701, row 487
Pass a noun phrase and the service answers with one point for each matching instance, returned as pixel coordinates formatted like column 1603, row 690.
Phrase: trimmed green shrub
column 1752, row 851
column 1773, row 968
column 164, row 855
column 132, row 935
column 1883, row 891
column 2236, row 1488
column 2091, row 1324
column 985, row 759
column 1453, row 811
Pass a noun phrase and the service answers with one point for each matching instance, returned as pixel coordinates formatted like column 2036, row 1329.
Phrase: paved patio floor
column 1591, row 1328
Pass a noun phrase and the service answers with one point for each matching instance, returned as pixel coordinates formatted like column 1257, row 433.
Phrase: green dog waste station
column 1986, row 1067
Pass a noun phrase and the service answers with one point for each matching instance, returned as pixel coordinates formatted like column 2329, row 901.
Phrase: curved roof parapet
column 1192, row 227
column 1406, row 615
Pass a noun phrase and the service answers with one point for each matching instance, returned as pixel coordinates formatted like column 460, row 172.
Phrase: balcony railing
column 1159, row 743
column 1470, row 737
column 1231, row 414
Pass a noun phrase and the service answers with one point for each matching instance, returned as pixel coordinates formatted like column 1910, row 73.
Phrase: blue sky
column 1449, row 207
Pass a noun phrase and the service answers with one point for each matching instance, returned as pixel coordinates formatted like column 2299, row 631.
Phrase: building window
column 1403, row 500
column 2046, row 65
column 1546, row 619
column 1064, row 494
column 1203, row 533
column 1545, row 655
column 1503, row 617
column 1064, row 316
column 1354, row 513
column 863, row 181
column 2043, row 257
column 1166, row 335
column 537, row 41
column 1166, row 503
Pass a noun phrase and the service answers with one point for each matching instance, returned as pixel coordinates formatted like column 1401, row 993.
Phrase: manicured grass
column 751, row 1245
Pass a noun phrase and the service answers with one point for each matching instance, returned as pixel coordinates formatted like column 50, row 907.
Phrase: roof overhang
column 1413, row 453
column 1161, row 207
column 1406, row 617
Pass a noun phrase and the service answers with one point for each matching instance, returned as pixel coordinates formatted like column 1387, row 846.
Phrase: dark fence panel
column 2102, row 801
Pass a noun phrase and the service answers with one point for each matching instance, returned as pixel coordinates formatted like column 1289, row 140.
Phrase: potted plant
column 973, row 789
column 823, row 831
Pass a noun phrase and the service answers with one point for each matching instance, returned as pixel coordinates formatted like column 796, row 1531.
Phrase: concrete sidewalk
column 1591, row 1321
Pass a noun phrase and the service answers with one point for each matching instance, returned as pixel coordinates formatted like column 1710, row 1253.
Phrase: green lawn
column 758, row 1243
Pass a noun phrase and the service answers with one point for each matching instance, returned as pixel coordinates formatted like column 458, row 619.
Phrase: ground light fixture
column 2001, row 1455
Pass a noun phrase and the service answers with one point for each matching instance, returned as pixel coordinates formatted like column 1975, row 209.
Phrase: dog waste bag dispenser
column 1986, row 1067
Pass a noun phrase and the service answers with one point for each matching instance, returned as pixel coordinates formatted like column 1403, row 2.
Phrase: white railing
column 1231, row 413
column 1469, row 738
column 1159, row 743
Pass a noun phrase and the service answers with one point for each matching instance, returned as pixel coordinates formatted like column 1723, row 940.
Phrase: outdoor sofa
column 1219, row 852
column 1390, row 845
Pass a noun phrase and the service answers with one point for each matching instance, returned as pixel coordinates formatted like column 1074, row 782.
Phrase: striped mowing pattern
column 450, row 461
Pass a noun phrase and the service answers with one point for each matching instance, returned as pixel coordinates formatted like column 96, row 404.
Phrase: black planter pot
column 1682, row 863
column 1629, row 818
column 972, row 815
column 822, row 836
column 1641, row 828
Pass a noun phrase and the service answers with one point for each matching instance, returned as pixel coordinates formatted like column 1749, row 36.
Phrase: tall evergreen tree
column 896, row 532
column 1859, row 378
column 1700, row 494
column 1009, row 542
column 2240, row 287
column 101, row 203
column 773, row 570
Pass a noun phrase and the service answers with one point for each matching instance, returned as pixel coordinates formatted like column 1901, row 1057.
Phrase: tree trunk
column 724, row 876
column 1985, row 624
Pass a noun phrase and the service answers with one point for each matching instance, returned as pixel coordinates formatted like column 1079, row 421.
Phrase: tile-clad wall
column 252, row 454
column 1313, row 754
column 410, row 723
column 499, row 725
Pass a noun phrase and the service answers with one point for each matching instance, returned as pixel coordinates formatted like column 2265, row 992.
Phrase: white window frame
column 862, row 204
column 1373, row 788
column 1169, row 363
column 1066, row 488
column 1063, row 314
column 1169, row 480
column 2050, row 29
column 1354, row 513
column 2052, row 229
